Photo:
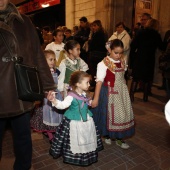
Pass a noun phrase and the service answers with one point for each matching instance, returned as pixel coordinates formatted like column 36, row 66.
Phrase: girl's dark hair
column 70, row 45
column 77, row 77
column 55, row 32
column 116, row 43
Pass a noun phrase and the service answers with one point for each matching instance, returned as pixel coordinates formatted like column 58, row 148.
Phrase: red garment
column 110, row 76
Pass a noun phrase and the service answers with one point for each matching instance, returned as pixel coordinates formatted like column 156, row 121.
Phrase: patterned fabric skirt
column 61, row 147
column 37, row 121
column 100, row 116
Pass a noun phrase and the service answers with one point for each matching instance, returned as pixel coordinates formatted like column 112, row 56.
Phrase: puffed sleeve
column 83, row 66
column 63, row 104
column 101, row 72
column 62, row 69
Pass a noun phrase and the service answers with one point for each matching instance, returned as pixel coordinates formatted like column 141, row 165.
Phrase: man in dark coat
column 82, row 36
column 21, row 37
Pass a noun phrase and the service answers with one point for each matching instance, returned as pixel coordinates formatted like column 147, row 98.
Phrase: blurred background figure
column 68, row 35
column 82, row 36
column 97, row 50
column 122, row 35
column 75, row 30
column 143, row 48
column 144, row 18
column 165, row 44
column 47, row 36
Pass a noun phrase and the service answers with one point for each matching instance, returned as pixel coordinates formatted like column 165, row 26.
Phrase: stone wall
column 75, row 9
column 108, row 11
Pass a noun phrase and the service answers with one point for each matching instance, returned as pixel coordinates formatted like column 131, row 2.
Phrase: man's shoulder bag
column 28, row 82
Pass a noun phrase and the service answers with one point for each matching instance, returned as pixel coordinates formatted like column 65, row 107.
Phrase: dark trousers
column 22, row 140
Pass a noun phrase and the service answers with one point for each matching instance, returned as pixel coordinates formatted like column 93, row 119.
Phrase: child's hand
column 51, row 96
column 94, row 103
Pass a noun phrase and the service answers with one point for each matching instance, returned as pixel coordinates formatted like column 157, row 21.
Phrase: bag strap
column 14, row 59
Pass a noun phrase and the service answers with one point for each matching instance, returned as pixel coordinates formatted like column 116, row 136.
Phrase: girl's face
column 59, row 37
column 84, row 84
column 51, row 60
column 75, row 52
column 116, row 53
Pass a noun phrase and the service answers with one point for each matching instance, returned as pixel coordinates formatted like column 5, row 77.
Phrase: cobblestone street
column 149, row 147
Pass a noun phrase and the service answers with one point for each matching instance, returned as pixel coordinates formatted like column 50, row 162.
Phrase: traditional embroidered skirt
column 114, row 116
column 61, row 147
column 37, row 122
column 46, row 118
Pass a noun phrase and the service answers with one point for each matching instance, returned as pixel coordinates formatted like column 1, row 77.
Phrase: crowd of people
column 75, row 62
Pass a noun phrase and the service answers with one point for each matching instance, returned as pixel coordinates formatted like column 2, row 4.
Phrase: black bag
column 28, row 82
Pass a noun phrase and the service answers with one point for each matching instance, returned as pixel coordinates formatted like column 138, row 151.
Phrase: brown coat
column 23, row 41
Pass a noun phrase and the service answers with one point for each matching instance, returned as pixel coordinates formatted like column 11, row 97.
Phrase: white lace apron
column 83, row 136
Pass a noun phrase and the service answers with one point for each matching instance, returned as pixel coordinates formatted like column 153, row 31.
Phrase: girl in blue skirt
column 46, row 118
column 113, row 114
column 76, row 138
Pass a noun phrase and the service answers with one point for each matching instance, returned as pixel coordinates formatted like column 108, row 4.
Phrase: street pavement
column 149, row 147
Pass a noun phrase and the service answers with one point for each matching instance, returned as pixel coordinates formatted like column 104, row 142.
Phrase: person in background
column 47, row 36
column 57, row 46
column 165, row 57
column 143, row 48
column 136, row 28
column 46, row 118
column 82, row 36
column 96, row 48
column 112, row 110
column 68, row 35
column 122, row 35
column 77, row 140
column 21, row 36
column 144, row 19
column 71, row 63
column 165, row 44
column 75, row 30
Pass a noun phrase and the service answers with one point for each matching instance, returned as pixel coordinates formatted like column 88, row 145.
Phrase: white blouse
column 56, row 48
column 101, row 70
column 66, row 102
column 63, row 104
column 62, row 69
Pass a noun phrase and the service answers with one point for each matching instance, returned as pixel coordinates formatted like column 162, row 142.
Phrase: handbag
column 27, row 79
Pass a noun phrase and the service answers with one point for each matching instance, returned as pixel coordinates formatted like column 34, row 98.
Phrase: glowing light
column 45, row 5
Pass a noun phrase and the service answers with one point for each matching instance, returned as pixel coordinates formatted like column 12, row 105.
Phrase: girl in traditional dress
column 113, row 114
column 71, row 63
column 76, row 139
column 46, row 118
